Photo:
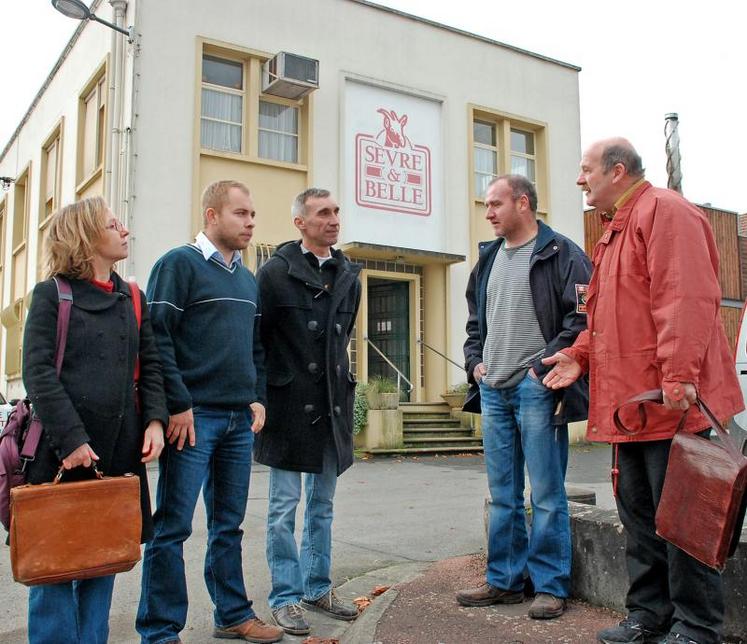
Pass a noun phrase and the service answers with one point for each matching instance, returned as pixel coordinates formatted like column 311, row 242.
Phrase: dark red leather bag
column 702, row 504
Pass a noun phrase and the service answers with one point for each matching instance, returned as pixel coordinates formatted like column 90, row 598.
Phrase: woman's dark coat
column 93, row 401
column 309, row 386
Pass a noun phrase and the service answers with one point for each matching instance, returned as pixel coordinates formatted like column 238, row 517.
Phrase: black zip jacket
column 556, row 268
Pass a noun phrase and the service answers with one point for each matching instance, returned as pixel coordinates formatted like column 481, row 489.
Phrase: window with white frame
column 278, row 131
column 522, row 154
column 485, row 155
column 222, row 104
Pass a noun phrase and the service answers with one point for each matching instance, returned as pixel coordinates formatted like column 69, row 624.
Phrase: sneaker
column 331, row 605
column 677, row 638
column 486, row 595
column 546, row 606
column 629, row 631
column 291, row 619
column 252, row 630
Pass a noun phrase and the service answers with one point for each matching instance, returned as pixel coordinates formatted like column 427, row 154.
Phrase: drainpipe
column 129, row 148
column 674, row 170
column 113, row 180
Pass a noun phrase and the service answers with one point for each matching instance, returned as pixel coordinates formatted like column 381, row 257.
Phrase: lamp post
column 78, row 10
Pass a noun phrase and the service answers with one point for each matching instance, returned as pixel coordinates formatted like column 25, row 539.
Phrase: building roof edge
column 468, row 34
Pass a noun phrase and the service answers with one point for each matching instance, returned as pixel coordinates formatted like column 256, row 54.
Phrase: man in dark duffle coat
column 310, row 294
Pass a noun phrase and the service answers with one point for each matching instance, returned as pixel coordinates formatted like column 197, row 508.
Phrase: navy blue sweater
column 206, row 321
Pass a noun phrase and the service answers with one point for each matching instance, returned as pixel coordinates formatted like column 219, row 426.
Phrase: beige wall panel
column 273, row 190
column 436, row 313
column 480, row 230
column 13, row 350
column 19, row 274
column 93, row 189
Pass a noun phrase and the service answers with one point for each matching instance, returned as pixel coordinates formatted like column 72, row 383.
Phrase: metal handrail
column 400, row 375
column 437, row 352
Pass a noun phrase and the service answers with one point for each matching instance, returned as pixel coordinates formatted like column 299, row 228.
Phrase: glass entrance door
column 389, row 328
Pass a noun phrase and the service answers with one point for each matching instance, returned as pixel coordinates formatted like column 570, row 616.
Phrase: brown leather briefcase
column 702, row 504
column 77, row 530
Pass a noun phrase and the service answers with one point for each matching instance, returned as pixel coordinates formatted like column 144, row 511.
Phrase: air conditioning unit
column 290, row 76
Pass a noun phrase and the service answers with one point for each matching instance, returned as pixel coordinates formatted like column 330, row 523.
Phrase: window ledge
column 234, row 156
column 43, row 223
column 19, row 248
column 85, row 183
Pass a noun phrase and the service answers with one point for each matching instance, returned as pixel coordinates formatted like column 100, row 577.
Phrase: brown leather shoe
column 486, row 595
column 546, row 606
column 252, row 630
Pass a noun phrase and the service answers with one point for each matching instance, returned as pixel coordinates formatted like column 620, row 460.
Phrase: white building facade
column 408, row 123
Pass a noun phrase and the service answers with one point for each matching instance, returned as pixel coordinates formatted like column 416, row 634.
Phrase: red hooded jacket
column 653, row 317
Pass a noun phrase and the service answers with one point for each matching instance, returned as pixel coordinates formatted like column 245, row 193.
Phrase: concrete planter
column 382, row 401
column 454, row 400
column 383, row 430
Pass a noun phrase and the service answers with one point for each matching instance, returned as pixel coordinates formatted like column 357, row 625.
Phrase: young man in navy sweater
column 204, row 309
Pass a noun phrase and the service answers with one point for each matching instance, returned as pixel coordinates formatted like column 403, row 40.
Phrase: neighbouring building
column 403, row 119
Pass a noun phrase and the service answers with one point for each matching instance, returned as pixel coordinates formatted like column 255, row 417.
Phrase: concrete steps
column 428, row 428
column 417, row 451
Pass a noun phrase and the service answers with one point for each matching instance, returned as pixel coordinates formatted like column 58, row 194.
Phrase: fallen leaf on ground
column 316, row 640
column 362, row 603
column 379, row 590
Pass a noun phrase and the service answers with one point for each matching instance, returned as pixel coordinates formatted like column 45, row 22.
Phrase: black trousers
column 669, row 590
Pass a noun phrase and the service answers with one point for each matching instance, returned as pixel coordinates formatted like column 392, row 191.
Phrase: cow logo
column 391, row 173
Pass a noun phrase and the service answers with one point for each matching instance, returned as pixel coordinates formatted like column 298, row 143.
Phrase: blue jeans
column 75, row 612
column 516, row 428
column 221, row 460
column 307, row 576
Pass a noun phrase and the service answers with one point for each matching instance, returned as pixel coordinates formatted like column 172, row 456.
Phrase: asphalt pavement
column 393, row 517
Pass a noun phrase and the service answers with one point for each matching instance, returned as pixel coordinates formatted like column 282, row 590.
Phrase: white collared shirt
column 209, row 251
column 321, row 260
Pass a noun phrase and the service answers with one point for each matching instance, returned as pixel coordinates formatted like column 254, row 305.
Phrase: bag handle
column 62, row 471
column 657, row 396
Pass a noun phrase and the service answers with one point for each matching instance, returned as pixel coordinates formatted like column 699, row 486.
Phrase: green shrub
column 461, row 388
column 360, row 408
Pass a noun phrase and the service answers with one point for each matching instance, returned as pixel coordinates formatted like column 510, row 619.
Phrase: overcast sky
column 639, row 60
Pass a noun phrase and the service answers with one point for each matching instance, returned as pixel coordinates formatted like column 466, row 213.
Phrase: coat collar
column 91, row 298
column 299, row 267
column 545, row 236
column 623, row 213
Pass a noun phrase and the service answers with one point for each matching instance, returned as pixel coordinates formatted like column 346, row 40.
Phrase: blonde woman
column 94, row 411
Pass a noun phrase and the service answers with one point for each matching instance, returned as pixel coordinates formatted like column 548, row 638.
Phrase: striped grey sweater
column 514, row 338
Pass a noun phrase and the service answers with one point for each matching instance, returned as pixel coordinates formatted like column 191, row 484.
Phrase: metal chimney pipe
column 674, row 170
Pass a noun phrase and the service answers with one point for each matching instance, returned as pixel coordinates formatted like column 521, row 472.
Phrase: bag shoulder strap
column 136, row 303
column 64, row 305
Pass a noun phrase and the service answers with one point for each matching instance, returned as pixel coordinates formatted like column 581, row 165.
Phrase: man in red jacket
column 653, row 323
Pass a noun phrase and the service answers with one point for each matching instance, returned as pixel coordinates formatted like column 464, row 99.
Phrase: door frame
column 414, row 319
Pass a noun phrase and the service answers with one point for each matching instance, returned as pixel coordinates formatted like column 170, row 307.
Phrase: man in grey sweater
column 526, row 298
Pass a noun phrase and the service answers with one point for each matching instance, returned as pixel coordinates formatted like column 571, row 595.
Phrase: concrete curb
column 363, row 630
column 600, row 575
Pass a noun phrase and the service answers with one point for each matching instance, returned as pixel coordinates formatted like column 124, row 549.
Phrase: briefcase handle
column 62, row 471
column 657, row 396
